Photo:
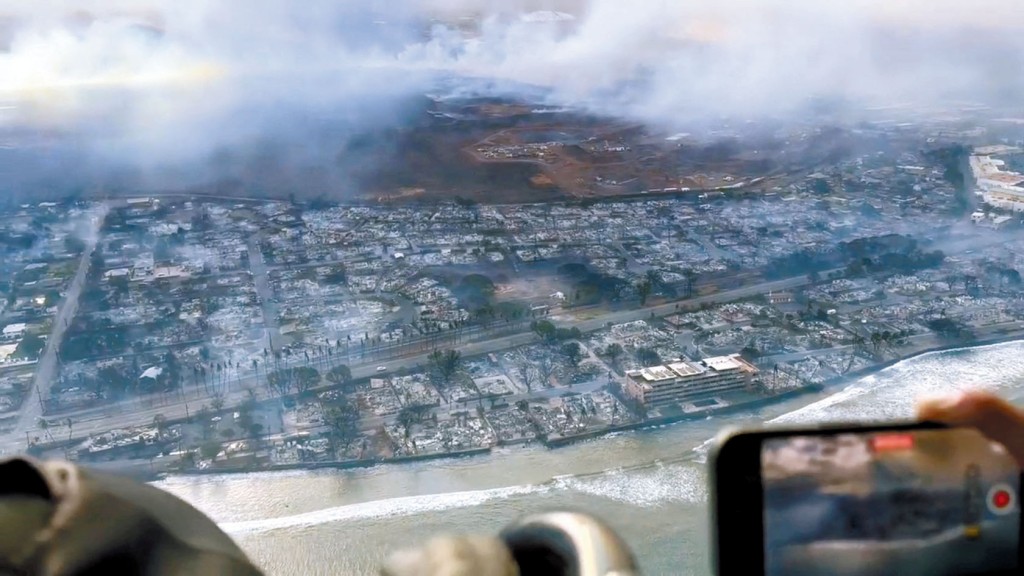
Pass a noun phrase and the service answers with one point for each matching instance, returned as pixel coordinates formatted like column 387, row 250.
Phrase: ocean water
column 650, row 485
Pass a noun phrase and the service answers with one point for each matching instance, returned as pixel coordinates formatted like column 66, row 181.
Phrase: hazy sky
column 147, row 83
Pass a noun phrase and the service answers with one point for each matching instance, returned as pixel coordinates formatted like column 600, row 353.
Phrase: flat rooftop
column 16, row 328
column 656, row 373
column 684, row 369
column 722, row 363
column 996, row 149
column 1006, row 178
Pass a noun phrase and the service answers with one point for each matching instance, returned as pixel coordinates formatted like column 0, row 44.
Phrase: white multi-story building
column 997, row 188
column 684, row 381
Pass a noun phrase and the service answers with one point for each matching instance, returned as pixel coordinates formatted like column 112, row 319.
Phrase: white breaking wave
column 701, row 452
column 817, row 411
column 649, row 484
column 652, row 486
column 893, row 392
column 403, row 506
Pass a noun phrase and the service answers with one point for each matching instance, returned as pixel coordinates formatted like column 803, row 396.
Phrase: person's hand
column 991, row 415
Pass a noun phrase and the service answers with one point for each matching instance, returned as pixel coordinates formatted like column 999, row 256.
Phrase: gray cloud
column 160, row 93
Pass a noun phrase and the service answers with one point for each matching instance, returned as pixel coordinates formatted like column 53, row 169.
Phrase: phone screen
column 941, row 501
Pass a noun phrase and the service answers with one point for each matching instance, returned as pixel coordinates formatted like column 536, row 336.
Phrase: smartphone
column 902, row 499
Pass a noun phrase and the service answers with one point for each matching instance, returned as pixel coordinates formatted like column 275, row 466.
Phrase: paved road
column 631, row 264
column 46, row 369
column 141, row 412
column 137, row 413
column 712, row 249
column 599, row 322
column 916, row 342
column 258, row 267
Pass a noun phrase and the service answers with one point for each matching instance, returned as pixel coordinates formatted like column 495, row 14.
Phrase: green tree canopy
column 30, row 347
column 572, row 352
column 614, row 351
column 340, row 374
column 551, row 334
column 209, row 450
column 647, row 357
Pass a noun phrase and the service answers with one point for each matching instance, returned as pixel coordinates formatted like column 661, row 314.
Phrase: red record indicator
column 1001, row 499
column 892, row 442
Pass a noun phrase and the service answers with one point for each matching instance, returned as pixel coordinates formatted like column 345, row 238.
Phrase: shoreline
column 1015, row 336
column 751, row 403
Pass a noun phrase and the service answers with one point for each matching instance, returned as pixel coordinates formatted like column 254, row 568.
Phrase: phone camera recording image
column 929, row 502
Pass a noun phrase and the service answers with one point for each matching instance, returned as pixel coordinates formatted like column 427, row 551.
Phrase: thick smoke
column 172, row 94
column 668, row 60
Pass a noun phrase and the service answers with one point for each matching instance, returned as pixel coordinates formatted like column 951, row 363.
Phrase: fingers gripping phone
column 902, row 499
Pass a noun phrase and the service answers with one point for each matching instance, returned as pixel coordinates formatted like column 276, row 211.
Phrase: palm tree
column 643, row 289
column 858, row 342
column 160, row 423
column 876, row 340
column 654, row 277
column 614, row 351
column 887, row 338
column 691, row 277
column 45, row 427
column 483, row 314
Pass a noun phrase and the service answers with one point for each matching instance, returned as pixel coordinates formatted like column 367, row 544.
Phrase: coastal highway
column 601, row 320
column 137, row 412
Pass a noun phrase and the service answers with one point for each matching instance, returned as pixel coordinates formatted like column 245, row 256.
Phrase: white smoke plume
column 158, row 91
